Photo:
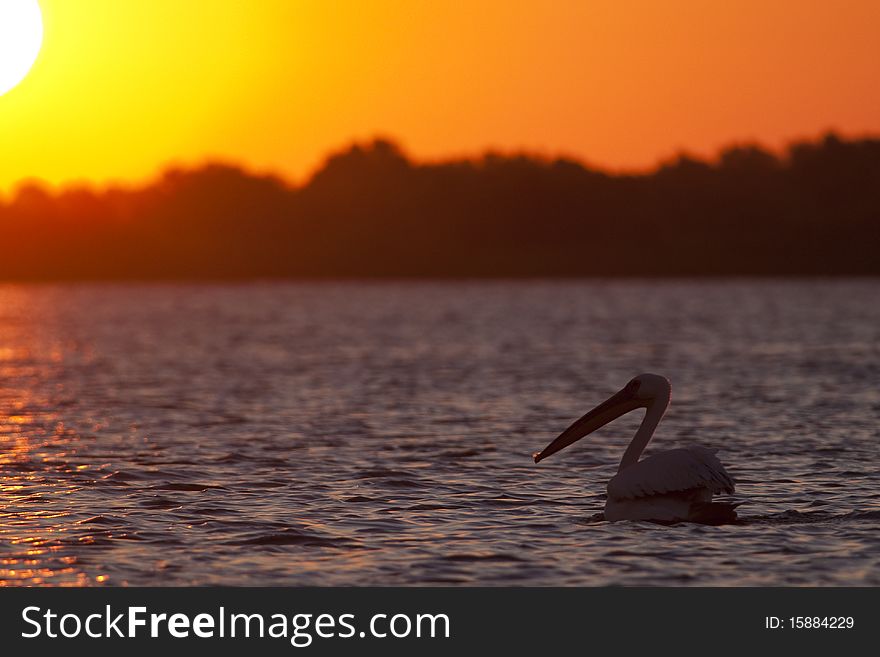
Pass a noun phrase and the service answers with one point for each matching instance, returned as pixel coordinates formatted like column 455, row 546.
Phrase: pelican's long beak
column 611, row 409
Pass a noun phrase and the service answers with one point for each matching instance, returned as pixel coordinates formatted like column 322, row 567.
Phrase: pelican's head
column 640, row 392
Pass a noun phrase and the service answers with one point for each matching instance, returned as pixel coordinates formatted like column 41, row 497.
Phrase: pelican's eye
column 633, row 386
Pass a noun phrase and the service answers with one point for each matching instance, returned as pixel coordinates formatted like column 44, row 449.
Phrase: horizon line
column 539, row 155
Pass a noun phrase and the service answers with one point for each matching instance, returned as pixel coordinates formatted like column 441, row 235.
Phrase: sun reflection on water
column 36, row 548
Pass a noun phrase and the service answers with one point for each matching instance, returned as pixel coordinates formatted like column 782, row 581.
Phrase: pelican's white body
column 668, row 486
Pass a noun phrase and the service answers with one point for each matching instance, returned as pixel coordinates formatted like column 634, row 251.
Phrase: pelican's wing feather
column 672, row 471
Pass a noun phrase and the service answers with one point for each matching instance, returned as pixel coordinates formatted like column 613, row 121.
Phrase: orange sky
column 121, row 88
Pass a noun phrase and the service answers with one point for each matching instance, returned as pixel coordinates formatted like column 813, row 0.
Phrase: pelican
column 672, row 486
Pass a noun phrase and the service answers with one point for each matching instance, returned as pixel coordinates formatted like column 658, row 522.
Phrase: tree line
column 370, row 211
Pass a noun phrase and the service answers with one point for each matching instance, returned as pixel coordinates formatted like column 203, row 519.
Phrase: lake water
column 380, row 433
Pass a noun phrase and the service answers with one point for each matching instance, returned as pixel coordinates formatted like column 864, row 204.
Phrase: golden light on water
column 35, row 545
column 35, row 551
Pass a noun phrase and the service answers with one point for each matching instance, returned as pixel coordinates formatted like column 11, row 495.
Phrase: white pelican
column 672, row 486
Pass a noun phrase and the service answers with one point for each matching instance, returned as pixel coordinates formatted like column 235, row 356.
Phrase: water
column 379, row 434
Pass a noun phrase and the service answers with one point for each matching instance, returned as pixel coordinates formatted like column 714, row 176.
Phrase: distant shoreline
column 452, row 280
column 372, row 213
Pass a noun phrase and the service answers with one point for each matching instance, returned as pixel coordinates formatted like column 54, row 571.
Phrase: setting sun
column 21, row 35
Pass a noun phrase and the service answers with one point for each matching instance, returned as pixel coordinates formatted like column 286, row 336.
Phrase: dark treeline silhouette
column 370, row 211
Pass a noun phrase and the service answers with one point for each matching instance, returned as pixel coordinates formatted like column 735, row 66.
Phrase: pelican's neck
column 655, row 410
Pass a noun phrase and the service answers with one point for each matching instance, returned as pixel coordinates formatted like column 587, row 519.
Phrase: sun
column 21, row 35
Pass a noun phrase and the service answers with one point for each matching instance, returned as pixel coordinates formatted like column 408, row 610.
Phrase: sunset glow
column 123, row 88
